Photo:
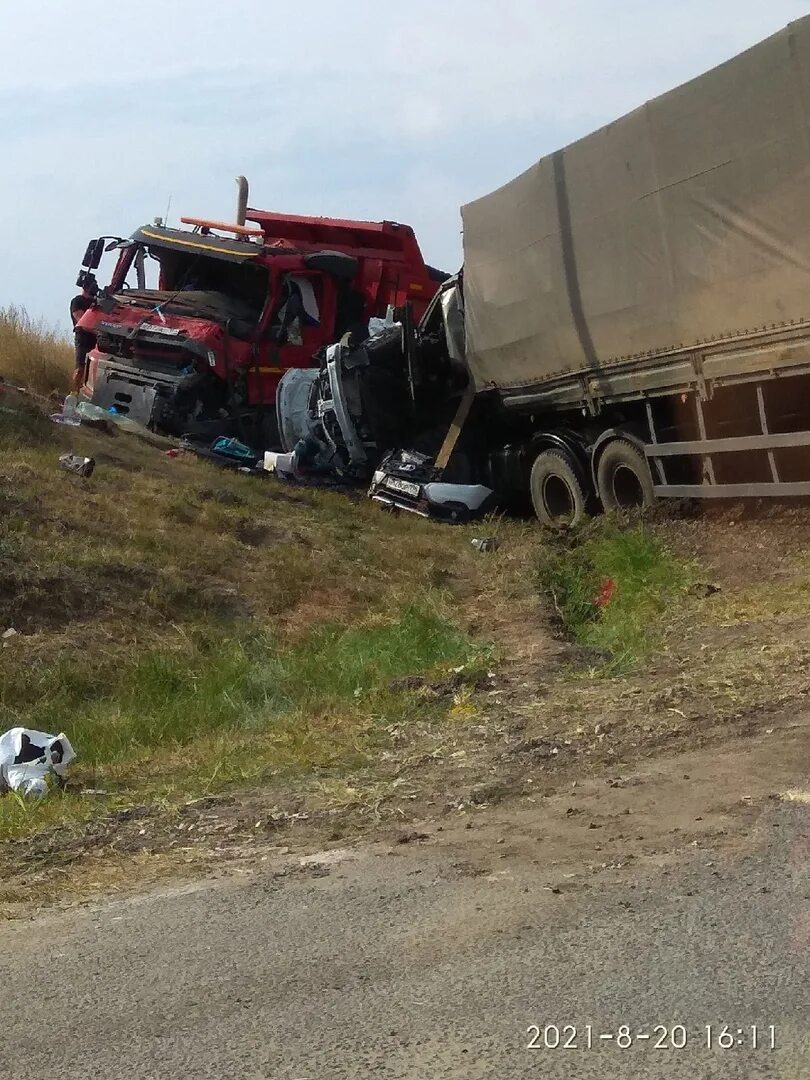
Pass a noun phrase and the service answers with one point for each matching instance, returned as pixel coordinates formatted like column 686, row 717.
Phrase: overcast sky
column 353, row 109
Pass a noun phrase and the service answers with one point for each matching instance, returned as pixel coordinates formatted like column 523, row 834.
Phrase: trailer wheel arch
column 620, row 458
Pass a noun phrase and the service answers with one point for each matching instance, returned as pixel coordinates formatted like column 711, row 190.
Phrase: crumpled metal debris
column 75, row 463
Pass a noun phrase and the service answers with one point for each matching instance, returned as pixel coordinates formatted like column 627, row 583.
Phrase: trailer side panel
column 685, row 222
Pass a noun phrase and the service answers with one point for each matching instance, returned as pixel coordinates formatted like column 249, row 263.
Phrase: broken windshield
column 199, row 283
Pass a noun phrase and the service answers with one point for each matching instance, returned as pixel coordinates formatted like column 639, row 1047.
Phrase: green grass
column 646, row 580
column 227, row 709
column 192, row 630
column 211, row 683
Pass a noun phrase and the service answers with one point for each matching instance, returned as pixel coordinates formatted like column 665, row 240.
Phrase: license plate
column 405, row 486
column 166, row 331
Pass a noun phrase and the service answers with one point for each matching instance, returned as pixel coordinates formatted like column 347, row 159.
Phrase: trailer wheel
column 557, row 493
column 623, row 478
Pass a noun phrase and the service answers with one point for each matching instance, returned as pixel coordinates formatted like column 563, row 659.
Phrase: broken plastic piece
column 75, row 463
column 280, row 464
column 605, row 594
column 486, row 543
column 92, row 414
column 232, row 448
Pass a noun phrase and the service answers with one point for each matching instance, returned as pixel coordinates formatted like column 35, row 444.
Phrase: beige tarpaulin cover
column 687, row 220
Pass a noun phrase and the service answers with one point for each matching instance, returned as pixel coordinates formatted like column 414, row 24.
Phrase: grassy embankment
column 610, row 585
column 192, row 629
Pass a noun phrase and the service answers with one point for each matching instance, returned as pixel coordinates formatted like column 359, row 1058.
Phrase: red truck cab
column 233, row 307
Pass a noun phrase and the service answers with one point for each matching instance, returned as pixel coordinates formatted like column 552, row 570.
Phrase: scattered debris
column 332, row 857
column 232, row 448
column 796, row 795
column 229, row 453
column 282, row 465
column 71, row 414
column 93, row 414
column 606, row 592
column 540, row 748
column 75, row 463
column 28, row 757
column 412, row 837
column 702, row 589
column 487, row 543
column 10, row 633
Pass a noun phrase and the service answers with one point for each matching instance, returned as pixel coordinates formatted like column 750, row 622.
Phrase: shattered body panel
column 406, row 480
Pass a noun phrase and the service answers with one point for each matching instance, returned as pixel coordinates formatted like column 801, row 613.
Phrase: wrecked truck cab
column 400, row 386
column 352, row 407
column 161, row 351
column 207, row 343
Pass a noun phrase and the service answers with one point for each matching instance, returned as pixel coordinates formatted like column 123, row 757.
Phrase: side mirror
column 92, row 256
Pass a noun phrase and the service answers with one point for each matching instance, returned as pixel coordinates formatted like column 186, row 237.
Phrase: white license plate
column 405, row 486
column 166, row 331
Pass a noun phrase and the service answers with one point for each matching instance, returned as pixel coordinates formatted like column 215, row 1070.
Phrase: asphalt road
column 400, row 963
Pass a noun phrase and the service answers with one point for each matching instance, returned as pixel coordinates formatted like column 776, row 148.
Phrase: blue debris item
column 232, row 448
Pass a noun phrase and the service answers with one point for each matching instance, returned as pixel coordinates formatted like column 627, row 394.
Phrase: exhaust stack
column 241, row 200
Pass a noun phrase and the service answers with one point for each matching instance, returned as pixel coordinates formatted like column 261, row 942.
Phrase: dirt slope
column 304, row 664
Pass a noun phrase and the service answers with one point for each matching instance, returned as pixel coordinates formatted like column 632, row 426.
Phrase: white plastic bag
column 28, row 756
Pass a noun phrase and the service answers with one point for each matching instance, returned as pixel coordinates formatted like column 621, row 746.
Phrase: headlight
column 378, row 477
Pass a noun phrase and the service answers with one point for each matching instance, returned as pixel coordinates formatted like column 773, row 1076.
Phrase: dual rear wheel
column 559, row 494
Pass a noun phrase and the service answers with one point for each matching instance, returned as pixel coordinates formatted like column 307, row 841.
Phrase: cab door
column 301, row 320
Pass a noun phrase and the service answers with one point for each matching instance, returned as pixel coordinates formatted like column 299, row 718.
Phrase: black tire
column 623, row 477
column 557, row 493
